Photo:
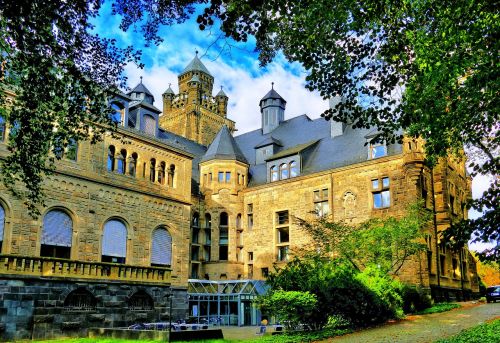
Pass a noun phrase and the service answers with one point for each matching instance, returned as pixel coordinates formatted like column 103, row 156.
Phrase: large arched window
column 2, row 226
column 294, row 170
column 161, row 248
column 121, row 162
column 111, row 158
column 152, row 170
column 132, row 164
column 80, row 300
column 149, row 125
column 57, row 232
column 140, row 301
column 208, row 221
column 274, row 173
column 283, row 171
column 114, row 241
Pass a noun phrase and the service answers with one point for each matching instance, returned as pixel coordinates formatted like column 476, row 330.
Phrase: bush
column 439, row 307
column 414, row 299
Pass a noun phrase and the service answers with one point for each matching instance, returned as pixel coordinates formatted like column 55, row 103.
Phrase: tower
column 195, row 113
column 272, row 109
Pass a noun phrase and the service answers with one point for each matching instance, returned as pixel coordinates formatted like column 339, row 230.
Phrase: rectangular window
column 206, row 253
column 228, row 177
column 250, row 256
column 282, row 217
column 223, row 253
column 283, row 253
column 250, row 216
column 221, row 177
column 205, row 178
column 454, row 264
column 381, row 193
column 265, row 272
column 209, row 177
column 283, row 235
column 321, row 207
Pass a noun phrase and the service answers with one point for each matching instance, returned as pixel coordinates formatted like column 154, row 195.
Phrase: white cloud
column 243, row 89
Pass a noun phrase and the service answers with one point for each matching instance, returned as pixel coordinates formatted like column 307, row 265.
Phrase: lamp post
column 170, row 295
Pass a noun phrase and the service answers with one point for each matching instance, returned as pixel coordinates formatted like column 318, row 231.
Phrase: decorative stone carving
column 349, row 204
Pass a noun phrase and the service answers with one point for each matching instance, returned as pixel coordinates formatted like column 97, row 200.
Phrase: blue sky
column 236, row 68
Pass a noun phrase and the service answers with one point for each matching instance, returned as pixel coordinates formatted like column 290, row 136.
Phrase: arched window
column 283, row 171
column 274, row 173
column 140, row 301
column 2, row 226
column 71, row 150
column 114, row 241
column 294, row 170
column 238, row 221
column 171, row 175
column 161, row 248
column 121, row 165
column 132, row 164
column 80, row 300
column 57, row 234
column 111, row 158
column 161, row 173
column 152, row 170
column 224, row 219
column 149, row 125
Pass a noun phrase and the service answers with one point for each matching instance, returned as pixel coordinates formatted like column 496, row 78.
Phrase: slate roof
column 268, row 141
column 196, row 65
column 169, row 91
column 221, row 93
column 140, row 88
column 272, row 94
column 292, row 151
column 299, row 133
column 224, row 147
column 144, row 104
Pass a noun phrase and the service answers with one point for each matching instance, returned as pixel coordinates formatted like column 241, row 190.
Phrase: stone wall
column 36, row 308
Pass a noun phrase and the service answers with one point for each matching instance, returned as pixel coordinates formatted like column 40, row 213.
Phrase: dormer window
column 274, row 173
column 377, row 150
column 283, row 171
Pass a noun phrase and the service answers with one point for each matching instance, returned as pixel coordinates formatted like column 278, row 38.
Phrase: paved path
column 426, row 328
column 414, row 329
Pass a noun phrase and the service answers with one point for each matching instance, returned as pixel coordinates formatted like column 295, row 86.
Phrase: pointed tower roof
column 224, row 147
column 272, row 94
column 221, row 92
column 196, row 65
column 140, row 88
column 169, row 90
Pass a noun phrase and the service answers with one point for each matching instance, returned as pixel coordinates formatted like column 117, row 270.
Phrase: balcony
column 63, row 268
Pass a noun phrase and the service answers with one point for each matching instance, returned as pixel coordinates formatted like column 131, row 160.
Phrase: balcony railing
column 63, row 268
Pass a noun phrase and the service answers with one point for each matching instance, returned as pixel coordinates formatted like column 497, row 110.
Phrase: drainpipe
column 434, row 217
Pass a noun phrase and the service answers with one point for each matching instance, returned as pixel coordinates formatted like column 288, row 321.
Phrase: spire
column 272, row 94
column 224, row 147
column 221, row 92
column 196, row 65
column 140, row 92
column 169, row 90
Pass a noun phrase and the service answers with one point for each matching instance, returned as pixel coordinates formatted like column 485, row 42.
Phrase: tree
column 387, row 243
column 421, row 66
column 61, row 75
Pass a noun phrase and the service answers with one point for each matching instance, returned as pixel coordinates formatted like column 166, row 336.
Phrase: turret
column 272, row 109
column 168, row 98
column 221, row 99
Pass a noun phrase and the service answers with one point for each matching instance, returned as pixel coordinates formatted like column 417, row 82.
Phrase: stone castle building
column 177, row 209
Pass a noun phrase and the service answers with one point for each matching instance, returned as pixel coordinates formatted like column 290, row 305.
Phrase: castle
column 176, row 209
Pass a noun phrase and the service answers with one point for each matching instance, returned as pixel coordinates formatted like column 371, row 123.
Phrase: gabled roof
column 292, row 151
column 224, row 147
column 196, row 65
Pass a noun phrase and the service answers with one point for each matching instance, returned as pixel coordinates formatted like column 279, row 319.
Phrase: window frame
column 382, row 191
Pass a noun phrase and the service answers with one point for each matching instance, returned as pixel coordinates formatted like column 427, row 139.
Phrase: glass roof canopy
column 227, row 287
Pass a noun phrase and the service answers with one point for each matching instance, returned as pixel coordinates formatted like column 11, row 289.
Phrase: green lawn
column 484, row 333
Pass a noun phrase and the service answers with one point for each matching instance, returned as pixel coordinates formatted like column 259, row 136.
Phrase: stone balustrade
column 64, row 268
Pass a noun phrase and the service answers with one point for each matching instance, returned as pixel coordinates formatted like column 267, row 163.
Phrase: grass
column 439, row 307
column 117, row 340
column 484, row 333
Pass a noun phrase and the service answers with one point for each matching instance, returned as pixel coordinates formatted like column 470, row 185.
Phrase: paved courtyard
column 414, row 329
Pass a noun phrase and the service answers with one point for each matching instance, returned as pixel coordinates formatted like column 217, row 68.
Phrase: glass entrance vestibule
column 228, row 302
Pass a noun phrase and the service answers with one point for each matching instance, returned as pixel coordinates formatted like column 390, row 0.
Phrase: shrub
column 414, row 299
column 440, row 307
